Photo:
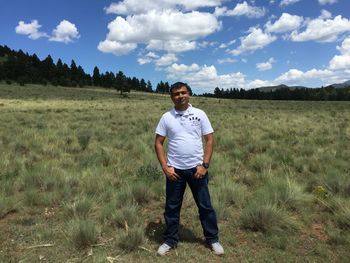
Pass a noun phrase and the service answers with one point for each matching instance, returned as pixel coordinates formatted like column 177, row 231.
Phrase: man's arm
column 209, row 147
column 208, row 152
column 168, row 170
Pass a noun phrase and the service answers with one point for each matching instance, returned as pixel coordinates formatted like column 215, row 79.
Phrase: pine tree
column 143, row 85
column 149, row 86
column 121, row 83
column 135, row 84
column 96, row 77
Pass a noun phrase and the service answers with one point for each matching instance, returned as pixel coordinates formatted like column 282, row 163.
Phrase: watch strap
column 205, row 165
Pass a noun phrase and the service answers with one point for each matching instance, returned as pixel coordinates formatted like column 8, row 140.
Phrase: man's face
column 180, row 97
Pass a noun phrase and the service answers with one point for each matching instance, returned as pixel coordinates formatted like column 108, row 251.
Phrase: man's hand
column 169, row 172
column 200, row 173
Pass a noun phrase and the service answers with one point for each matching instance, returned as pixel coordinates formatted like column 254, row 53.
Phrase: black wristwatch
column 205, row 165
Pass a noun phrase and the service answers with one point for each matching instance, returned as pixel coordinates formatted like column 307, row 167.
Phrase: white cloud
column 225, row 45
column 220, row 11
column 152, row 55
column 285, row 23
column 310, row 77
column 30, row 29
column 265, row 65
column 172, row 45
column 298, row 77
column 337, row 71
column 148, row 58
column 206, row 73
column 115, row 47
column 128, row 7
column 155, row 44
column 168, row 30
column 205, row 77
column 177, row 69
column 143, row 61
column 205, row 44
column 325, row 14
column 65, row 32
column 166, row 60
column 241, row 9
column 172, row 26
column 259, row 83
column 322, row 30
column 288, row 2
column 342, row 61
column 345, row 46
column 324, row 2
column 226, row 60
column 256, row 39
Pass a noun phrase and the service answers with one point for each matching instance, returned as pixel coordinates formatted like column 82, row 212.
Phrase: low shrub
column 260, row 162
column 125, row 217
column 338, row 237
column 132, row 239
column 141, row 193
column 84, row 139
column 107, row 211
column 230, row 193
column 35, row 198
column 79, row 209
column 342, row 217
column 84, row 233
column 149, row 173
column 265, row 217
column 285, row 193
column 337, row 183
column 124, row 197
column 221, row 210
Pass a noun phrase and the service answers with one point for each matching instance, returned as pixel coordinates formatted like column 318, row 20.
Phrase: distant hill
column 341, row 85
column 282, row 86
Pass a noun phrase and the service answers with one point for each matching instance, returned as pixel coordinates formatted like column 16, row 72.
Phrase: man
column 184, row 126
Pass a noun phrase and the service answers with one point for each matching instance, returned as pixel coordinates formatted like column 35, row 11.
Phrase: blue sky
column 206, row 43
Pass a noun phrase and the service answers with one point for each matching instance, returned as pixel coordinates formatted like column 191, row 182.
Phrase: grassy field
column 79, row 180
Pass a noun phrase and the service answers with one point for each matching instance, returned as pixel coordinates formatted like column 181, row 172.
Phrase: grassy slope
column 279, row 178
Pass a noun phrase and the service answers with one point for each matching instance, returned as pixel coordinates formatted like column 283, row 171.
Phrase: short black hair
column 178, row 85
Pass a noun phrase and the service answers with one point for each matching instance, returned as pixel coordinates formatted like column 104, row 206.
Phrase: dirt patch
column 318, row 232
column 310, row 237
column 10, row 214
column 8, row 243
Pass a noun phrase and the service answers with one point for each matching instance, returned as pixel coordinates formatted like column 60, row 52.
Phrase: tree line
column 285, row 93
column 22, row 68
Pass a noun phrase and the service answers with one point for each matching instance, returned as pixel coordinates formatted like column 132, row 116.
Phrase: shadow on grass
column 154, row 231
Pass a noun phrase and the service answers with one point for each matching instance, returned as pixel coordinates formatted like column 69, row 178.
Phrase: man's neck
column 182, row 108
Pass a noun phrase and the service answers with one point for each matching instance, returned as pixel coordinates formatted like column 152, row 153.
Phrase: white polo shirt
column 184, row 131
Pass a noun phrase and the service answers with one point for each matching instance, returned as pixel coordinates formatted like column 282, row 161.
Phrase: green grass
column 83, row 233
column 78, row 171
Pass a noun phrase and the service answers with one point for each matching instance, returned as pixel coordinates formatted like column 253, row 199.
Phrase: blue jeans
column 174, row 196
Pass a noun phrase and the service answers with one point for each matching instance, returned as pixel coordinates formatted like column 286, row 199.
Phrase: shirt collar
column 187, row 112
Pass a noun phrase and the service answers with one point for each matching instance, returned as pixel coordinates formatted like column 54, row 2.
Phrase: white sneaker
column 217, row 248
column 163, row 249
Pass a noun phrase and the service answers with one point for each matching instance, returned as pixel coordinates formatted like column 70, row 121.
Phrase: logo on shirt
column 195, row 121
